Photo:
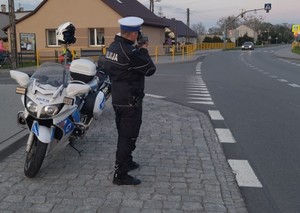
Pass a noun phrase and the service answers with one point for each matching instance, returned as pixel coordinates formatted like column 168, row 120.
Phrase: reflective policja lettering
column 112, row 56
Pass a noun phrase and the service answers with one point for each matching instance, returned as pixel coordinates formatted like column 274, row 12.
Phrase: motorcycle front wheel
column 35, row 158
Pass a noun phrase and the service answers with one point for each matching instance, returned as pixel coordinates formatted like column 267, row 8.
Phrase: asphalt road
column 258, row 95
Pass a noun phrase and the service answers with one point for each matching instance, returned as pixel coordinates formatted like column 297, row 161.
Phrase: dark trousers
column 128, row 122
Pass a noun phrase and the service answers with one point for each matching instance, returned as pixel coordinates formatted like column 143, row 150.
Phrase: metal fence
column 55, row 55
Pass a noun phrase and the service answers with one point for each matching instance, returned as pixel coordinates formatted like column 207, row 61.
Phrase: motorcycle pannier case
column 93, row 105
column 82, row 70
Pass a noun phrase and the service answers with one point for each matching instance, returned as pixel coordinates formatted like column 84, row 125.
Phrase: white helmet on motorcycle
column 66, row 33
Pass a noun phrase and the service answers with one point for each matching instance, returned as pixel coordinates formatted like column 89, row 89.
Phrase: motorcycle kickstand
column 71, row 143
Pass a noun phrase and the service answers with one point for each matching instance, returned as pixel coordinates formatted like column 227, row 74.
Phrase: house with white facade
column 240, row 32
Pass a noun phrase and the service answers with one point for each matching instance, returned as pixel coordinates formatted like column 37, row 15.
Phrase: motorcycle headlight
column 51, row 110
column 31, row 107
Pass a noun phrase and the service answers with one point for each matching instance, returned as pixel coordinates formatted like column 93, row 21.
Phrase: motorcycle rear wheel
column 35, row 158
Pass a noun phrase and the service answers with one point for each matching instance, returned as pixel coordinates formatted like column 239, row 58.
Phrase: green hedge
column 296, row 50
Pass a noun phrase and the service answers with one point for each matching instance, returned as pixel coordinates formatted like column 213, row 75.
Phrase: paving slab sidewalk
column 182, row 168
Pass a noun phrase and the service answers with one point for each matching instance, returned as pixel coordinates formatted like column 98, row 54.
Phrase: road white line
column 215, row 115
column 201, row 95
column 194, row 90
column 195, row 82
column 245, row 175
column 282, row 80
column 294, row 85
column 196, row 86
column 155, row 96
column 225, row 135
column 197, row 91
column 202, row 102
column 200, row 98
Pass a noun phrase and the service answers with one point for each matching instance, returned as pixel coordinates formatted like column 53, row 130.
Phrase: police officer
column 127, row 66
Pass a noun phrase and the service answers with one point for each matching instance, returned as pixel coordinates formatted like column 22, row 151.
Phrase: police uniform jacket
column 127, row 67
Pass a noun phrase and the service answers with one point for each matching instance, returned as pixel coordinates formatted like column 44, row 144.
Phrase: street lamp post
column 267, row 8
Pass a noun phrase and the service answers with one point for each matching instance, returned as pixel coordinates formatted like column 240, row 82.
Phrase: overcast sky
column 208, row 12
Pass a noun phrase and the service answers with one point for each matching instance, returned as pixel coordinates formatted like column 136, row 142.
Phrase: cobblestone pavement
column 183, row 169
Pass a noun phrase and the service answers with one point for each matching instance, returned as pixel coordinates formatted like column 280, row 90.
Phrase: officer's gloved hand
column 144, row 51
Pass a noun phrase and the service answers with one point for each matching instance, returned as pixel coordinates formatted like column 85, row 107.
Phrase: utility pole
column 187, row 23
column 12, row 33
column 188, row 17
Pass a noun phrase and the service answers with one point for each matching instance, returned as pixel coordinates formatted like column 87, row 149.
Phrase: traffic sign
column 268, row 7
column 296, row 28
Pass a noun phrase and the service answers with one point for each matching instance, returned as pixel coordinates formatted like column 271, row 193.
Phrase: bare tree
column 253, row 22
column 198, row 28
column 230, row 22
column 215, row 31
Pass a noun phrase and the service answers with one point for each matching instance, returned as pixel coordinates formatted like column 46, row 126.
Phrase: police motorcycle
column 59, row 105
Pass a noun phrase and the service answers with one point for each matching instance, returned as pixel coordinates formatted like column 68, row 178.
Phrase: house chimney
column 3, row 8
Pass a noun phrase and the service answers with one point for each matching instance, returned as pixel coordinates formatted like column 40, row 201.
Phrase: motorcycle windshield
column 49, row 73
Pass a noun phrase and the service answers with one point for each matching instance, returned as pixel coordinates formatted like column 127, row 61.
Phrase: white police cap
column 131, row 23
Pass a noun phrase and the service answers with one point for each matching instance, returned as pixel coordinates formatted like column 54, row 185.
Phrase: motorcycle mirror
column 21, row 78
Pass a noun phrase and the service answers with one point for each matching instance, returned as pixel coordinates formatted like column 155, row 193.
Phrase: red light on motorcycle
column 68, row 101
column 21, row 90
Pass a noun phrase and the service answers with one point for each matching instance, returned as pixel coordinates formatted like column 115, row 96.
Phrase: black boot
column 125, row 179
column 133, row 165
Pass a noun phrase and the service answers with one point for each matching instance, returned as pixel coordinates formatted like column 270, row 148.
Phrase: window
column 51, row 38
column 96, row 36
